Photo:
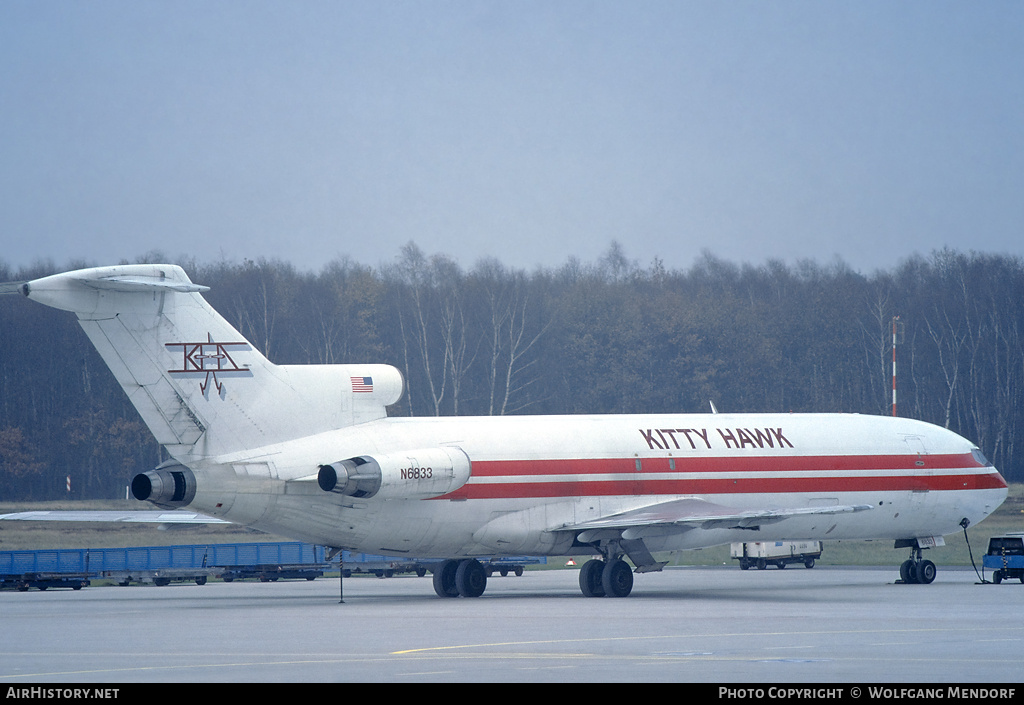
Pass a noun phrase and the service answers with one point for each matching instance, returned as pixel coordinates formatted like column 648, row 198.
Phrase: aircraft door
column 918, row 447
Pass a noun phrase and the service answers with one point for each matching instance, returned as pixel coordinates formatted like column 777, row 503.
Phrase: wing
column 139, row 517
column 693, row 513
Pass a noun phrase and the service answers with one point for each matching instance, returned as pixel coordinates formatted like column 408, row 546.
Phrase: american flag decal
column 362, row 384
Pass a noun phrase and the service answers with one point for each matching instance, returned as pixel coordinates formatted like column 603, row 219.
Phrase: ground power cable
column 965, row 522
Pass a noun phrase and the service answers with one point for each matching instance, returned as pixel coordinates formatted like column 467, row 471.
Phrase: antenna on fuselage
column 714, row 410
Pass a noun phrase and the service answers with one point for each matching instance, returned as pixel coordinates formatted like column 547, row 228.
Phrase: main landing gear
column 610, row 575
column 613, row 578
column 465, row 578
column 915, row 571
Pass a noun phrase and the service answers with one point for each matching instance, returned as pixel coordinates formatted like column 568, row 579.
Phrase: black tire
column 809, row 563
column 617, row 579
column 997, row 577
column 908, row 572
column 591, row 584
column 925, row 572
column 444, row 579
column 471, row 578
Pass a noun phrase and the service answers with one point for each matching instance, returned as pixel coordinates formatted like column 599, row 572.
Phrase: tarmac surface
column 716, row 625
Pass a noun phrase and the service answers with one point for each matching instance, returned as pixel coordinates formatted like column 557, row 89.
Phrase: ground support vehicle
column 1005, row 557
column 777, row 553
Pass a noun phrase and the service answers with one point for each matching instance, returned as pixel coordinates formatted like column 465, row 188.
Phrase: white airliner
column 307, row 451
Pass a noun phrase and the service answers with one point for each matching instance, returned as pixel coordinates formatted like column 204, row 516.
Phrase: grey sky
column 527, row 131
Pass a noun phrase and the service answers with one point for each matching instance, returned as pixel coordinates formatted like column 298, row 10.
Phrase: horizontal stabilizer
column 12, row 287
column 132, row 517
column 142, row 285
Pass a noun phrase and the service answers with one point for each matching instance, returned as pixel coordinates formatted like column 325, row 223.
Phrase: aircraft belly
column 321, row 522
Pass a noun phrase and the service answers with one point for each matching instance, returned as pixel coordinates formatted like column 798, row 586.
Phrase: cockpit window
column 980, row 457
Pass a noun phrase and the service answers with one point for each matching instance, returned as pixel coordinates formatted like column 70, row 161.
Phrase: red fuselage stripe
column 785, row 463
column 507, row 479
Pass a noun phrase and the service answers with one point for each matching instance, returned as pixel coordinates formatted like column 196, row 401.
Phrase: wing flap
column 694, row 513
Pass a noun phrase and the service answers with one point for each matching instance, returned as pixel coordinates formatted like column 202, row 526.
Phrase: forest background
column 605, row 337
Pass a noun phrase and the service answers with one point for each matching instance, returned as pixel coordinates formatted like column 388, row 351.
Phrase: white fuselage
column 532, row 475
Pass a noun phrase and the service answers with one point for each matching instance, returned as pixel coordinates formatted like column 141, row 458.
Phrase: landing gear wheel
column 908, row 572
column 925, row 572
column 444, row 579
column 590, row 578
column 471, row 578
column 617, row 578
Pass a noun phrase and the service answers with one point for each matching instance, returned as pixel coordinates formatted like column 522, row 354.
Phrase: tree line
column 611, row 336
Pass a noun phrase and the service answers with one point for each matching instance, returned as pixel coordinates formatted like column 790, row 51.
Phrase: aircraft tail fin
column 198, row 384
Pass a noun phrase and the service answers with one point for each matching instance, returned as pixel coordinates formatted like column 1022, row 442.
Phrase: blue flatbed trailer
column 388, row 566
column 162, row 565
column 22, row 570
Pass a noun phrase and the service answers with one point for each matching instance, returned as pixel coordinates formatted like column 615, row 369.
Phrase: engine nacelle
column 169, row 486
column 414, row 474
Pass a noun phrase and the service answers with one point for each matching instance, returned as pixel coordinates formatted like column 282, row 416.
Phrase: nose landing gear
column 915, row 571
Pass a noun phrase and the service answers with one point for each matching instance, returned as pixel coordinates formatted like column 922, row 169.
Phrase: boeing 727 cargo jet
column 308, row 451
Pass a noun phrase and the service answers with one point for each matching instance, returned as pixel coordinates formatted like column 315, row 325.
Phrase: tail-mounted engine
column 416, row 474
column 169, row 486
